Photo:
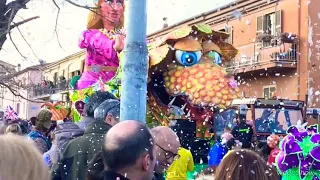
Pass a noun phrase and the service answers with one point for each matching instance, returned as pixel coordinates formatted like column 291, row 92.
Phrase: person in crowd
column 264, row 150
column 51, row 129
column 206, row 174
column 220, row 148
column 38, row 135
column 22, row 124
column 273, row 142
column 21, row 160
column 62, row 134
column 180, row 167
column 82, row 149
column 32, row 122
column 94, row 101
column 108, row 111
column 14, row 128
column 243, row 132
column 129, row 152
column 96, row 167
column 167, row 146
column 3, row 127
column 242, row 164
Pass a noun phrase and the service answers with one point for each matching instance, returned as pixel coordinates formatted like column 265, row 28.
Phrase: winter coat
column 62, row 135
column 84, row 122
column 41, row 141
column 79, row 151
column 216, row 154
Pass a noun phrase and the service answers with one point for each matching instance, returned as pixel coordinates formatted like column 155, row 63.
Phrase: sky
column 39, row 34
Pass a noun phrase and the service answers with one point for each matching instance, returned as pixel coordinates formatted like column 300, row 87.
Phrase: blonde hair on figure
column 95, row 21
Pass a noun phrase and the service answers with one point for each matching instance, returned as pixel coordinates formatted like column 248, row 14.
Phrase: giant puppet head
column 187, row 74
column 109, row 14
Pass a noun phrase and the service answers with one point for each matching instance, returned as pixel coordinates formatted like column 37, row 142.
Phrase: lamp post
column 135, row 63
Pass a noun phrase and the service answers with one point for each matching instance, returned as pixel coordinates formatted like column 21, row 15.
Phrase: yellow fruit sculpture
column 186, row 76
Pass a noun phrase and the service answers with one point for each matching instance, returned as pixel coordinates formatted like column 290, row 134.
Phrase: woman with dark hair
column 96, row 167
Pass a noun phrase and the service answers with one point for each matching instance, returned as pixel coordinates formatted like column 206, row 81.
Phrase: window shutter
column 278, row 22
column 230, row 32
column 259, row 25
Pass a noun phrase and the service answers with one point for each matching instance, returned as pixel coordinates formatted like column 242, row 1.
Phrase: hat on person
column 44, row 118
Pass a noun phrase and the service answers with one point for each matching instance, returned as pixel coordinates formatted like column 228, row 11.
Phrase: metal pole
column 135, row 63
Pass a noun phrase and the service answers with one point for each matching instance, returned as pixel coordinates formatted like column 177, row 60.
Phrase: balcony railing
column 40, row 91
column 254, row 57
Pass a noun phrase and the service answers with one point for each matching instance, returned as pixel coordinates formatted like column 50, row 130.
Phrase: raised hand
column 119, row 44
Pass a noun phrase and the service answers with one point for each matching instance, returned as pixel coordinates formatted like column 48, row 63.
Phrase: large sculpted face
column 112, row 11
column 187, row 66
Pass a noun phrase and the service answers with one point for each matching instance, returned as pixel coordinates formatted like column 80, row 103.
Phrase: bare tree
column 8, row 11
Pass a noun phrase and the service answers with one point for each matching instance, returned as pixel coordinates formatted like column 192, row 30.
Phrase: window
column 18, row 108
column 276, row 120
column 55, row 78
column 75, row 73
column 229, row 30
column 268, row 91
column 269, row 24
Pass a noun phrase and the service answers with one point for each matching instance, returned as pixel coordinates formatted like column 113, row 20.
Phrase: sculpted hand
column 119, row 45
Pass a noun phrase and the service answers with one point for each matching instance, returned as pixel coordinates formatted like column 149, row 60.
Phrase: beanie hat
column 44, row 118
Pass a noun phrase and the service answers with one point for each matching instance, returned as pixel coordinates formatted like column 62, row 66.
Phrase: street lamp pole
column 135, row 63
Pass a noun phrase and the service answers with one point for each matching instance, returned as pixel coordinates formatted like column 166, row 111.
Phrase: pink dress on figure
column 100, row 52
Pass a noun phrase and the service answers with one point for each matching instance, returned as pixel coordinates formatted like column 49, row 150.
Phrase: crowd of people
column 100, row 147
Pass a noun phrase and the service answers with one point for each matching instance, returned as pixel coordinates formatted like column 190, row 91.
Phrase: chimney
column 42, row 62
column 19, row 67
column 165, row 23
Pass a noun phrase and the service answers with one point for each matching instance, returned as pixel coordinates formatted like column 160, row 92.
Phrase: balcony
column 269, row 52
column 45, row 90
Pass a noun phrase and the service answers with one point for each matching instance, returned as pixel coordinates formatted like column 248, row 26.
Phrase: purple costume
column 100, row 52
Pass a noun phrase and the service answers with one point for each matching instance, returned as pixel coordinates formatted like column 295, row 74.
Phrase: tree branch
column 81, row 6
column 24, row 21
column 18, row 94
column 4, row 67
column 27, row 43
column 57, row 19
column 15, row 46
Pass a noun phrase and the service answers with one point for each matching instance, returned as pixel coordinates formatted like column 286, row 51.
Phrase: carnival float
column 186, row 76
column 299, row 153
column 103, row 41
column 58, row 109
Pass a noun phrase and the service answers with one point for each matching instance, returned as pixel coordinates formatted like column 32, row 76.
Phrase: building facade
column 56, row 78
column 18, row 92
column 278, row 46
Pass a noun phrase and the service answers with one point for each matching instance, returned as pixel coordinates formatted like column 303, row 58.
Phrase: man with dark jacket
column 94, row 101
column 243, row 132
column 81, row 150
